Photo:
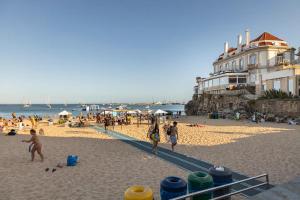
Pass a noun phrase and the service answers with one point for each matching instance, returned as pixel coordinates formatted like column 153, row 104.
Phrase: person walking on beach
column 154, row 136
column 37, row 146
column 173, row 135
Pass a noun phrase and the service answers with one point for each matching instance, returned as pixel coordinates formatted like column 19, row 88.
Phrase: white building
column 266, row 62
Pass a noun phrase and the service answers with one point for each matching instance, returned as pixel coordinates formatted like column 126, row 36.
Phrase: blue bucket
column 72, row 160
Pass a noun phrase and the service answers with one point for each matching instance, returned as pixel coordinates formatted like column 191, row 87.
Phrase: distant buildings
column 267, row 62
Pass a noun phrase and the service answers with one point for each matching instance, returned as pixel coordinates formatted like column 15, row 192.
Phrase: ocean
column 42, row 110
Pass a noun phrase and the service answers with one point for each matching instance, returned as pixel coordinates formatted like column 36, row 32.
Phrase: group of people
column 170, row 132
column 17, row 123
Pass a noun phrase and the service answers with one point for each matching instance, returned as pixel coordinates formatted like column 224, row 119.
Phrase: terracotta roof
column 231, row 49
column 266, row 36
column 264, row 43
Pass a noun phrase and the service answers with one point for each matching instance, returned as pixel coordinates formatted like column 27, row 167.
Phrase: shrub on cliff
column 276, row 94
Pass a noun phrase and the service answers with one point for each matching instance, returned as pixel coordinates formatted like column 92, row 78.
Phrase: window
column 221, row 68
column 252, row 59
column 279, row 59
column 210, row 83
column 216, row 82
column 291, row 86
column 241, row 63
column 276, row 85
column 224, row 80
column 233, row 65
column 206, row 84
column 232, row 79
column 252, row 78
column 242, row 79
column 226, row 66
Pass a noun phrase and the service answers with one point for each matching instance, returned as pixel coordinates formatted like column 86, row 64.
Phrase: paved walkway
column 185, row 162
column 286, row 191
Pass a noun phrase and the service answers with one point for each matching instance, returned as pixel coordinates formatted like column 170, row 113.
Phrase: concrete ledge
column 286, row 191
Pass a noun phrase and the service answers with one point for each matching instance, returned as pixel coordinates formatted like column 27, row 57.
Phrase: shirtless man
column 37, row 146
column 174, row 135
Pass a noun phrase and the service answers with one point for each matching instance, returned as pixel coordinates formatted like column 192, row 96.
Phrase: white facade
column 253, row 64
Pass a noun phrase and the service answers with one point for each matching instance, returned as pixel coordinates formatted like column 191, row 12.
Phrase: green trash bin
column 198, row 181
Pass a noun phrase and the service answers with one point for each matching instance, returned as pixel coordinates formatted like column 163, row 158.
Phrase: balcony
column 252, row 66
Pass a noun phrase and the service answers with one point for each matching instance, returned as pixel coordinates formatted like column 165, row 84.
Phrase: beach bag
column 154, row 135
column 169, row 130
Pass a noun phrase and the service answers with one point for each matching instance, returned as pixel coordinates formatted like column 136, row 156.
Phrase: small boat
column 147, row 107
column 48, row 103
column 27, row 105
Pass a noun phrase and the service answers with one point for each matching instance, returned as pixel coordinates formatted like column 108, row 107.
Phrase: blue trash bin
column 172, row 187
column 221, row 176
column 72, row 160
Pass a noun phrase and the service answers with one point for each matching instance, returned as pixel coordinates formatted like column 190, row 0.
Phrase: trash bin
column 138, row 192
column 209, row 115
column 221, row 176
column 72, row 160
column 200, row 181
column 172, row 187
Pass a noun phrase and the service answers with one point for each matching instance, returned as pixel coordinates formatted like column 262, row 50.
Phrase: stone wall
column 217, row 103
column 279, row 107
column 206, row 103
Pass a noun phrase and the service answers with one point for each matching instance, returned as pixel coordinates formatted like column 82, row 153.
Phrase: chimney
column 225, row 49
column 247, row 37
column 298, row 54
column 239, row 43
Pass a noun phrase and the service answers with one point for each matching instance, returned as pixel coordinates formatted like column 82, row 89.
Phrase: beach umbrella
column 131, row 112
column 64, row 113
column 107, row 111
column 160, row 112
column 138, row 111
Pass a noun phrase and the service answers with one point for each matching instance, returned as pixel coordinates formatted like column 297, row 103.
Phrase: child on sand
column 37, row 146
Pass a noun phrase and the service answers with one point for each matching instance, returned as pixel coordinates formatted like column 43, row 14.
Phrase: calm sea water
column 75, row 109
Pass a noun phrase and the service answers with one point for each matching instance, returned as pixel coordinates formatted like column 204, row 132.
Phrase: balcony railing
column 190, row 195
column 252, row 66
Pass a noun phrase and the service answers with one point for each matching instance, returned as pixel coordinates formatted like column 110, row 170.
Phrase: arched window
column 226, row 66
column 241, row 63
column 233, row 65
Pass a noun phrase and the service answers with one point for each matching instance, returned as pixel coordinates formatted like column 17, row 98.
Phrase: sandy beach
column 244, row 147
column 106, row 168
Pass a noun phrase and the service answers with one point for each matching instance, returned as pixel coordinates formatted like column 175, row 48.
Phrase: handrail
column 227, row 185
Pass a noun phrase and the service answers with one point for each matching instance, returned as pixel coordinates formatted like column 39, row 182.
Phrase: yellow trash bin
column 138, row 192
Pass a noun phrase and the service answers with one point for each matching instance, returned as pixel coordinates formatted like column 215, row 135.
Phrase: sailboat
column 48, row 104
column 27, row 105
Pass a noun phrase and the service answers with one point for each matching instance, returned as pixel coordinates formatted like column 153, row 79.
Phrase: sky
column 131, row 51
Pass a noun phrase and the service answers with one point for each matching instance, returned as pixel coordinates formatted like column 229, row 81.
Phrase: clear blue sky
column 124, row 51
